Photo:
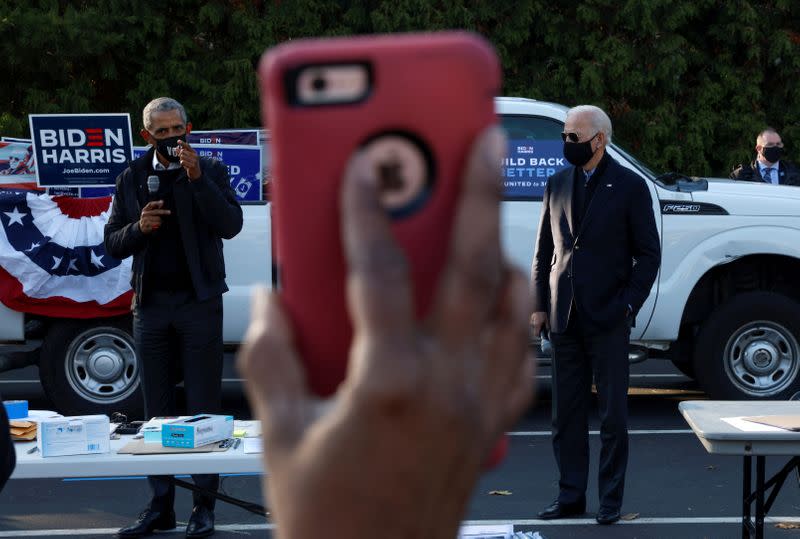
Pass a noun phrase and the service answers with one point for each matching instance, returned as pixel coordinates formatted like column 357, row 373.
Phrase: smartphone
column 415, row 103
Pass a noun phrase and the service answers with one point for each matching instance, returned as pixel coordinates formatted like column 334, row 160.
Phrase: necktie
column 768, row 174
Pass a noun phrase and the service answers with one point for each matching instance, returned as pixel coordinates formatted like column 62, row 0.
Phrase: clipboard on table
column 786, row 422
column 139, row 447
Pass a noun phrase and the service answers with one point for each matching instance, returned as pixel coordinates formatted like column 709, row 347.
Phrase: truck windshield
column 644, row 169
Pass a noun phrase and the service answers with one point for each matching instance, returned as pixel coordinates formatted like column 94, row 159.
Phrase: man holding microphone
column 171, row 211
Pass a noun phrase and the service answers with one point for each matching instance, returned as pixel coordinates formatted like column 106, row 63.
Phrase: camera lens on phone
column 404, row 168
column 319, row 84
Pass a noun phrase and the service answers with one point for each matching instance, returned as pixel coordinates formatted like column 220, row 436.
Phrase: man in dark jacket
column 171, row 211
column 597, row 256
column 8, row 456
column 768, row 166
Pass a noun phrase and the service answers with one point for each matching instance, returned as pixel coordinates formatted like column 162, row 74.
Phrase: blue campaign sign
column 139, row 151
column 529, row 165
column 244, row 167
column 97, row 192
column 73, row 150
column 246, row 137
column 243, row 162
column 64, row 191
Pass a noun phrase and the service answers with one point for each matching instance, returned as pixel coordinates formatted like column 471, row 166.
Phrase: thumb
column 274, row 378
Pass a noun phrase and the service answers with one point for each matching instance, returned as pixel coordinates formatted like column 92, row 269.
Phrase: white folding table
column 31, row 465
column 723, row 438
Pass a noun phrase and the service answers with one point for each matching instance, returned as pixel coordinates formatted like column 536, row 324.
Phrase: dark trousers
column 577, row 356
column 174, row 332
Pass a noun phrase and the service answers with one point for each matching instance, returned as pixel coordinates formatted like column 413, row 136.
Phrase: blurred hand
column 150, row 219
column 398, row 449
column 538, row 321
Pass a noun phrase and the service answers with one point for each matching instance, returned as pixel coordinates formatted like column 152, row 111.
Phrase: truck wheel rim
column 762, row 359
column 101, row 366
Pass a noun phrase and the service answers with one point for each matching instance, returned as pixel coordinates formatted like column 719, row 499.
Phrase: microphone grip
column 153, row 183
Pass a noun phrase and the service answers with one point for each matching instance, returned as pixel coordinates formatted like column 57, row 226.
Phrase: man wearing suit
column 173, row 228
column 768, row 166
column 597, row 255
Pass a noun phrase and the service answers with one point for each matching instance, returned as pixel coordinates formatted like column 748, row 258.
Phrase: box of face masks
column 197, row 430
column 76, row 435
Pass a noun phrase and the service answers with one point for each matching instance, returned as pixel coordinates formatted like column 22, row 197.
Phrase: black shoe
column 607, row 515
column 563, row 510
column 148, row 522
column 201, row 523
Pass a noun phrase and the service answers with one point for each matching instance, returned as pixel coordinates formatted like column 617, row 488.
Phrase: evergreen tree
column 688, row 83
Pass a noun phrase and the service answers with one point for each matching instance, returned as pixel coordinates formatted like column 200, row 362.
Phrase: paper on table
column 253, row 445
column 748, row 426
column 486, row 531
column 785, row 422
column 35, row 415
column 246, row 429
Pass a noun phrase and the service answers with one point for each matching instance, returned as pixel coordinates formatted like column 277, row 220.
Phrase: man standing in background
column 597, row 255
column 768, row 166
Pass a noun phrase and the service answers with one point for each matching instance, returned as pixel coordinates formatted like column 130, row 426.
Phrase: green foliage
column 688, row 83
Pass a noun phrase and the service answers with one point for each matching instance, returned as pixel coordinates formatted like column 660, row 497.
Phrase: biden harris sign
column 74, row 150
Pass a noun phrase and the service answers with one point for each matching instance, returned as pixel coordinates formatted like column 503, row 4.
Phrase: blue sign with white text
column 243, row 162
column 529, row 165
column 74, row 150
column 248, row 137
column 244, row 167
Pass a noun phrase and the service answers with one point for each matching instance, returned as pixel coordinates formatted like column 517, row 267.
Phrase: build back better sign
column 529, row 166
column 74, row 150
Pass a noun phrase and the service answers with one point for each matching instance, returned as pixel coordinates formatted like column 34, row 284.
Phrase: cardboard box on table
column 76, row 435
column 197, row 431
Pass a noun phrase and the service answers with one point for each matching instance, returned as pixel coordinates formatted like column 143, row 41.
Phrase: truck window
column 534, row 154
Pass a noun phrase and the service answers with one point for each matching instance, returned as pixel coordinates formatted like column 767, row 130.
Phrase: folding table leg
column 760, row 461
column 247, row 506
column 746, row 486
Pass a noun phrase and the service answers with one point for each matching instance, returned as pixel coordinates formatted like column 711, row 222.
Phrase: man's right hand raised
column 150, row 220
column 539, row 321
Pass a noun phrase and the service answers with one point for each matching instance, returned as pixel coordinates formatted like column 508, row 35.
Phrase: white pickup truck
column 725, row 307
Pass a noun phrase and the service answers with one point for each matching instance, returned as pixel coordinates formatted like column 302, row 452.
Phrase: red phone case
column 439, row 87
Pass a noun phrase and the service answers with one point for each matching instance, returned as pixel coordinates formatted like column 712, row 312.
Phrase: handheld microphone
column 546, row 345
column 152, row 186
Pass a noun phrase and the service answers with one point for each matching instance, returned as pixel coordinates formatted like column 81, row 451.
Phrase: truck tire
column 90, row 366
column 748, row 348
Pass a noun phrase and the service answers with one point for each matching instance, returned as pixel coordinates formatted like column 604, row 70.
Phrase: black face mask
column 772, row 153
column 168, row 147
column 579, row 153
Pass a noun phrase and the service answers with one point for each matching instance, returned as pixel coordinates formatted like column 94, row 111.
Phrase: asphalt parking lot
column 674, row 488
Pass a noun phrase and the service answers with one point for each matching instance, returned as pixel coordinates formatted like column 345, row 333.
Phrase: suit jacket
column 788, row 173
column 206, row 209
column 607, row 264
